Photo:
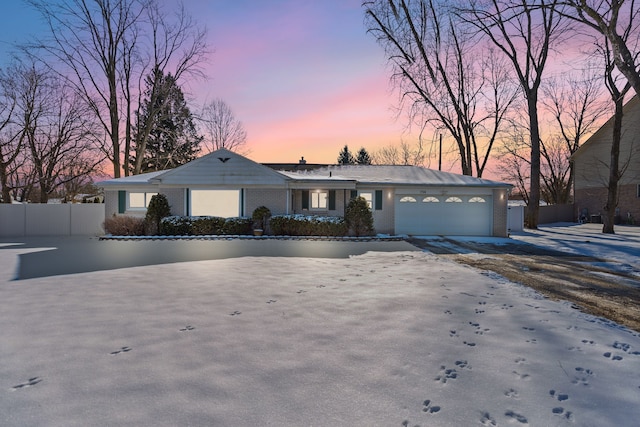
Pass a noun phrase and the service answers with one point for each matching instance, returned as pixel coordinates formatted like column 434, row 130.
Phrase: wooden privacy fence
column 67, row 219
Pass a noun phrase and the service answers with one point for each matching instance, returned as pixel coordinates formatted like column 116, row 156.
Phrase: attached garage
column 458, row 214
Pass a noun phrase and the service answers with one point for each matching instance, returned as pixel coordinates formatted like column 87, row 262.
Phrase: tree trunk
column 614, row 172
column 533, row 208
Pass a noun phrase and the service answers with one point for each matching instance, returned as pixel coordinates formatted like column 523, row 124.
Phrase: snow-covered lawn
column 380, row 339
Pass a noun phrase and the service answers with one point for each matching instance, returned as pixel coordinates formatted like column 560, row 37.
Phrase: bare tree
column 577, row 107
column 525, row 32
column 11, row 140
column 616, row 169
column 619, row 22
column 221, row 128
column 403, row 154
column 437, row 68
column 58, row 131
column 176, row 42
column 101, row 47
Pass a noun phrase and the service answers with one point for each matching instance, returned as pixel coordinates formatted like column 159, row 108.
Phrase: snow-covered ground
column 379, row 339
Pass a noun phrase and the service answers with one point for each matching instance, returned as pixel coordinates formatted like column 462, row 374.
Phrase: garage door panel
column 444, row 218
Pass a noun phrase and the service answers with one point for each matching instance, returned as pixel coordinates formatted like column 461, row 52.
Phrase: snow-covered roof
column 396, row 175
column 225, row 167
column 141, row 179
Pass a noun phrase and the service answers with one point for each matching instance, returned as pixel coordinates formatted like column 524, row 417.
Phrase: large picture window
column 222, row 203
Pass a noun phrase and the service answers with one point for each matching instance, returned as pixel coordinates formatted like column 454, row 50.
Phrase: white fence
column 51, row 220
column 515, row 218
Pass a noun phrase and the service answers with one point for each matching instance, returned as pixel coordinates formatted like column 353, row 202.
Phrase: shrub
column 358, row 217
column 175, row 226
column 123, row 225
column 238, row 225
column 158, row 208
column 260, row 217
column 205, row 225
column 307, row 225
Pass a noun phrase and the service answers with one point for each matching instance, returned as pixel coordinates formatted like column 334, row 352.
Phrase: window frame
column 315, row 200
column 146, row 196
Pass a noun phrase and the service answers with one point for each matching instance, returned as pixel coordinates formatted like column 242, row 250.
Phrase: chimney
column 302, row 161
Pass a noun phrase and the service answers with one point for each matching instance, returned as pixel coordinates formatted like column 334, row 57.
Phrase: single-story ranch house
column 404, row 199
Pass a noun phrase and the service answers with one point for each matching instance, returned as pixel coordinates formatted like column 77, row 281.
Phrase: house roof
column 223, row 167
column 132, row 180
column 605, row 132
column 394, row 175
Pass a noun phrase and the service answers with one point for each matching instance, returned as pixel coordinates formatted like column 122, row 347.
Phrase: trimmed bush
column 175, row 226
column 204, row 225
column 123, row 225
column 358, row 217
column 158, row 208
column 307, row 225
column 238, row 225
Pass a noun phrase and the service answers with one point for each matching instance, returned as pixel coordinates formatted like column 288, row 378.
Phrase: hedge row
column 204, row 225
column 305, row 225
column 279, row 225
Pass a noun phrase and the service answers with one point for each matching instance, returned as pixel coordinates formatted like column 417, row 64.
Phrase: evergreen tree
column 358, row 217
column 345, row 157
column 363, row 157
column 173, row 139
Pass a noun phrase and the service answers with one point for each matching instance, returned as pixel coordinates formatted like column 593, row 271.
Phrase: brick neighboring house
column 403, row 199
column 591, row 166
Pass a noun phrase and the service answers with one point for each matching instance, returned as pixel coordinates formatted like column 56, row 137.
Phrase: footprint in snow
column 560, row 411
column 612, row 356
column 487, row 420
column 31, row 382
column 429, row 408
column 122, row 350
column 187, row 328
column 517, row 417
column 561, row 397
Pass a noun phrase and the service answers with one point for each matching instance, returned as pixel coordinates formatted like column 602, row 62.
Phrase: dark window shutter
column 187, row 196
column 378, row 200
column 122, row 201
column 332, row 200
column 305, row 199
column 354, row 194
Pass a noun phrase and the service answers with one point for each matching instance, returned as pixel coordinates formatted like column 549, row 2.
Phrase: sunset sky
column 303, row 75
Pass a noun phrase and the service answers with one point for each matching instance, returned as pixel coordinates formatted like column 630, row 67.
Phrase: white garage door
column 461, row 215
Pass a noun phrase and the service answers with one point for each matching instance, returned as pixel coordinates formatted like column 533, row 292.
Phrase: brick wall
column 593, row 199
column 275, row 200
column 500, row 214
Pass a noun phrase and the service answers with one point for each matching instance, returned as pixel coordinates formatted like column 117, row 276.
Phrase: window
column 140, row 200
column 368, row 197
column 430, row 199
column 222, row 203
column 477, row 200
column 408, row 199
column 319, row 200
column 453, row 199
column 638, row 190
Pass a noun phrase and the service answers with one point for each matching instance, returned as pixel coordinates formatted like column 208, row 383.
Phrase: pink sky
column 303, row 76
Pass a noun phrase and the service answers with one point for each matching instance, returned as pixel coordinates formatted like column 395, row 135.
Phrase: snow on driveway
column 379, row 339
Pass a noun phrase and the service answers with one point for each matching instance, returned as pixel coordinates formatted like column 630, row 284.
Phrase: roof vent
column 302, row 161
column 224, row 159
